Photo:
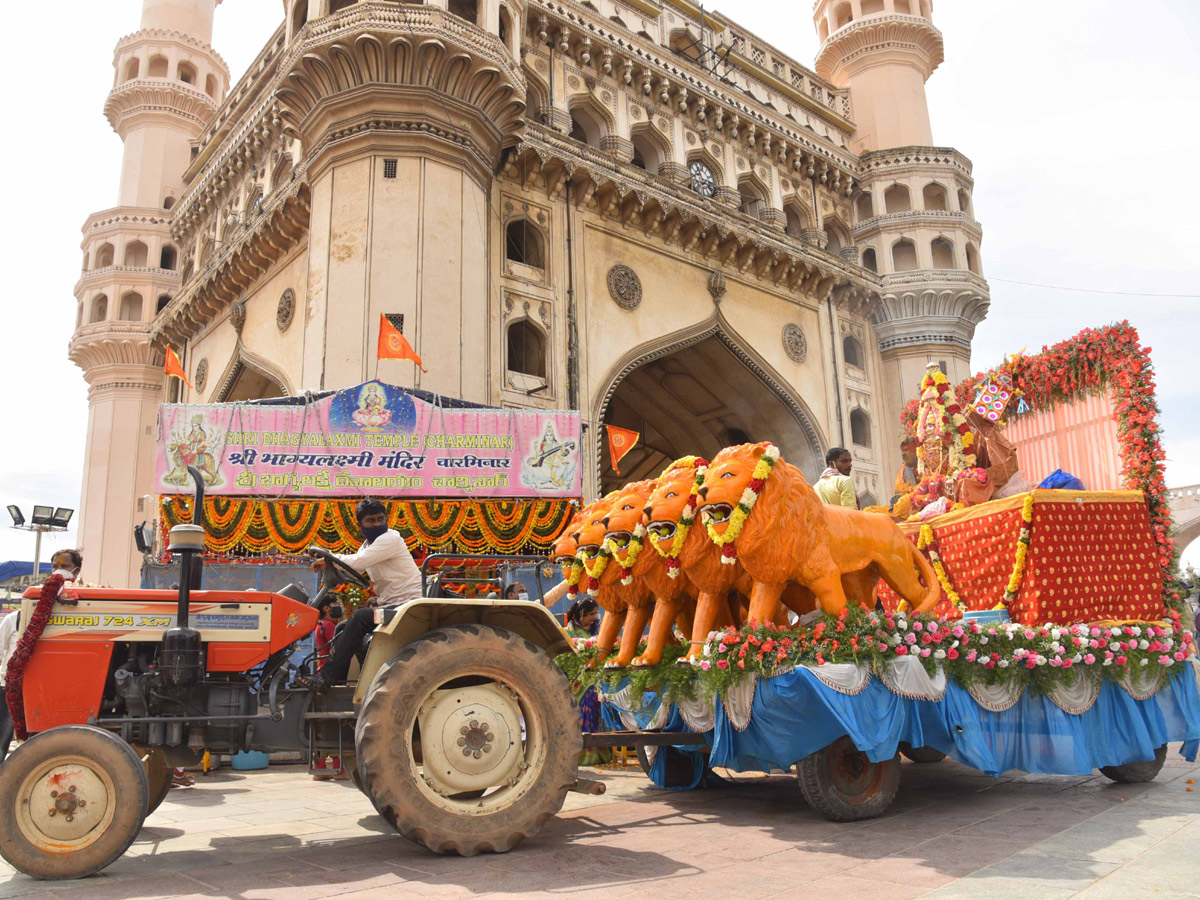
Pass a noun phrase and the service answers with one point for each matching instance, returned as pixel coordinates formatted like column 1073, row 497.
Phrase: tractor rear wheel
column 74, row 798
column 843, row 785
column 499, row 740
column 1137, row 772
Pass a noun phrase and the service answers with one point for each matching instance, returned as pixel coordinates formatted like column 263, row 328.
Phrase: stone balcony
column 132, row 275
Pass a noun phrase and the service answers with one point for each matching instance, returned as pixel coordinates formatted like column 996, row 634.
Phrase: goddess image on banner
column 375, row 439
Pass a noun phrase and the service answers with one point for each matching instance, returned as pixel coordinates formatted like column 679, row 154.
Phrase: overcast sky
column 1080, row 117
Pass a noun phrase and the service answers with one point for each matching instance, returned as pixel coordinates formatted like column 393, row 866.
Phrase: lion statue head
column 672, row 501
column 590, row 536
column 625, row 530
column 567, row 545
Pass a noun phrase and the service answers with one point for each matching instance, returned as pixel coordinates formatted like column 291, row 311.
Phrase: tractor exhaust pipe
column 181, row 659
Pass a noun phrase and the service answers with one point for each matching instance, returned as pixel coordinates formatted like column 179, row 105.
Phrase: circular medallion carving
column 201, row 377
column 624, row 286
column 237, row 315
column 573, row 82
column 606, row 96
column 691, row 138
column 635, row 112
column 286, row 310
column 795, row 345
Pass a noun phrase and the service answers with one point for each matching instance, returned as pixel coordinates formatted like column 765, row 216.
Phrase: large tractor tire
column 1137, row 772
column 843, row 785
column 468, row 739
column 74, row 798
column 158, row 775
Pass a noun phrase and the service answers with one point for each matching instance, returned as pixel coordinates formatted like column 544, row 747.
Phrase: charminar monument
column 626, row 207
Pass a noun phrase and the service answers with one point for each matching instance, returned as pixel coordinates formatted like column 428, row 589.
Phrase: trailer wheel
column 74, row 798
column 678, row 770
column 921, row 755
column 843, row 785
column 158, row 775
column 1137, row 772
column 499, row 740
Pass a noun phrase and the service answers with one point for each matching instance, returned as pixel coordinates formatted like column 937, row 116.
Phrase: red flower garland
column 24, row 652
column 1092, row 360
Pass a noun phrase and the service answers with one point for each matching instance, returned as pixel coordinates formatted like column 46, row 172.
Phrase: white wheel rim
column 65, row 804
column 501, row 751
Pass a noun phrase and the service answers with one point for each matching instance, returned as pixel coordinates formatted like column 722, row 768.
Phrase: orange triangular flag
column 174, row 367
column 620, row 442
column 394, row 345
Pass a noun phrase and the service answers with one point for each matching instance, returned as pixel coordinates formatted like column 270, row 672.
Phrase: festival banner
column 374, row 439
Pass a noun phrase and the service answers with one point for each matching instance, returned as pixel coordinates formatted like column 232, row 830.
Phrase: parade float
column 1008, row 626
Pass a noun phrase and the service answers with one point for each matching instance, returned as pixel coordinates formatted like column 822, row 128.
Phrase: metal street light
column 43, row 519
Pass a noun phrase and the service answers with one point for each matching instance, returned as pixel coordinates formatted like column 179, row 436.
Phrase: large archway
column 695, row 395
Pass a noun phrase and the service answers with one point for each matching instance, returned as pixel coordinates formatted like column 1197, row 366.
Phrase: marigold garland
column 595, row 565
column 737, row 520
column 1014, row 580
column 574, row 574
column 688, row 516
column 925, row 540
column 631, row 554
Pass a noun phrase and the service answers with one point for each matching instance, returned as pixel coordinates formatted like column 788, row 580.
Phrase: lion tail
column 933, row 588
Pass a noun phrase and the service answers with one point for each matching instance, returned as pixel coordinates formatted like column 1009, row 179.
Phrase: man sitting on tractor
column 396, row 578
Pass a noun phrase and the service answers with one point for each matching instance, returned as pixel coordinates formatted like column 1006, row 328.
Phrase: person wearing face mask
column 385, row 557
column 516, row 591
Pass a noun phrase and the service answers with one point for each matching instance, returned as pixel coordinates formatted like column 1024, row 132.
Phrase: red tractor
column 460, row 728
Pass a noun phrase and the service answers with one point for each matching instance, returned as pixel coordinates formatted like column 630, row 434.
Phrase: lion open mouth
column 564, row 561
column 661, row 531
column 619, row 539
column 589, row 551
column 717, row 513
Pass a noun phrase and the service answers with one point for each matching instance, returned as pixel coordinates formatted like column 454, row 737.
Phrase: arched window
column 506, row 29
column 869, row 261
column 186, row 73
column 860, row 428
column 168, row 202
column 131, row 307
column 526, row 349
column 210, row 86
column 934, row 196
column 99, row 309
column 852, row 352
column 299, row 15
column 754, row 201
column 836, row 237
column 465, row 9
column 942, row 252
column 964, row 202
column 104, row 256
column 131, row 69
column 523, row 244
column 797, row 223
column 167, row 257
column 843, row 15
column 972, row 259
column 157, row 67
column 586, row 127
column 136, row 254
column 862, row 206
column 896, row 199
column 904, row 256
column 161, row 304
column 871, row 7
column 652, row 153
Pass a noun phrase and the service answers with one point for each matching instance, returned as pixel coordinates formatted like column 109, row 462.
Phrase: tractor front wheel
column 497, row 732
column 74, row 798
column 843, row 785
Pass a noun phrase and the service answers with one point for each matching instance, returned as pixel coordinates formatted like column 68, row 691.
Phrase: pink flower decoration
column 722, row 664
column 901, row 650
column 926, row 651
column 1089, row 659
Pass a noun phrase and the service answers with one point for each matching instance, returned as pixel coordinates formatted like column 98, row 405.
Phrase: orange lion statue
column 602, row 579
column 565, row 550
column 764, row 516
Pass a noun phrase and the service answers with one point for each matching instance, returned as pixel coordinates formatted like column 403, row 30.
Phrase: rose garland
column 631, row 555
column 15, row 677
column 574, row 574
column 1014, row 580
column 737, row 520
column 925, row 540
column 688, row 516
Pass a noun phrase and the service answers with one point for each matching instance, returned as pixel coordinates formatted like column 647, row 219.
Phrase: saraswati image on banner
column 374, row 438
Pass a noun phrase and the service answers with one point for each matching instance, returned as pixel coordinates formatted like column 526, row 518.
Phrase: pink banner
column 374, row 439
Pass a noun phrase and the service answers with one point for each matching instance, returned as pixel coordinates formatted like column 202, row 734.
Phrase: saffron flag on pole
column 393, row 344
column 174, row 367
column 620, row 442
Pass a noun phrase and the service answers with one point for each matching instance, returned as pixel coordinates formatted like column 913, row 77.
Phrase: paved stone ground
column 951, row 833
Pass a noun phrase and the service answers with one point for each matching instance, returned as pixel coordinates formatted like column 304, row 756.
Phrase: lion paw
column 644, row 660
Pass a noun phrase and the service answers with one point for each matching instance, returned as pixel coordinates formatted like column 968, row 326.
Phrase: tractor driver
column 385, row 557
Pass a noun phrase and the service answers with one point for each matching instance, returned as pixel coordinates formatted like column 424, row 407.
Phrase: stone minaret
column 169, row 82
column 914, row 219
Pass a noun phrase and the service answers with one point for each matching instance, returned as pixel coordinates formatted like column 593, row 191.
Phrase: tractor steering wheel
column 337, row 569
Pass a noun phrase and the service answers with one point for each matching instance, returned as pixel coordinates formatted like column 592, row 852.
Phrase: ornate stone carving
column 201, row 374
column 286, row 310
column 624, row 286
column 237, row 316
column 716, row 286
column 795, row 345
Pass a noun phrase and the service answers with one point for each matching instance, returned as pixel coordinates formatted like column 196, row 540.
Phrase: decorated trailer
column 1006, row 627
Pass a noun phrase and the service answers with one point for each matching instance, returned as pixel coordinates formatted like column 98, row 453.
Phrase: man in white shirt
column 385, row 557
column 65, row 563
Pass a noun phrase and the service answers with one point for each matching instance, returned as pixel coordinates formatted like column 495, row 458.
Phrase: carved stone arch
column 686, row 42
column 718, row 328
column 583, row 106
column 648, row 138
column 243, row 360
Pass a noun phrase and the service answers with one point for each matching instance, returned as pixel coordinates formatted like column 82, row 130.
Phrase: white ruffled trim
column 907, row 677
column 700, row 714
column 1078, row 698
column 1142, row 683
column 738, row 700
column 845, row 678
column 996, row 697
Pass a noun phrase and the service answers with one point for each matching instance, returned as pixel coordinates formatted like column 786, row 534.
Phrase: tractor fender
column 404, row 624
